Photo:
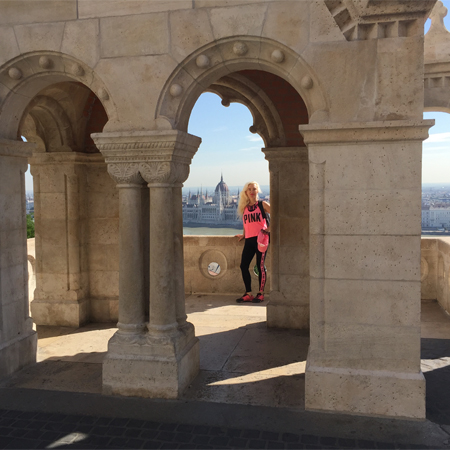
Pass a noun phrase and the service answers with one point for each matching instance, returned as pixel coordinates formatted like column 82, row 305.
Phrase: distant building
column 435, row 217
column 219, row 210
column 29, row 205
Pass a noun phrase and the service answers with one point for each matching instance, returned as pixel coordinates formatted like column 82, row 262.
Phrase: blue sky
column 436, row 149
column 228, row 147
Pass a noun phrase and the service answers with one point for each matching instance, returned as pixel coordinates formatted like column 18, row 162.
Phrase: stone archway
column 203, row 68
column 34, row 104
column 281, row 92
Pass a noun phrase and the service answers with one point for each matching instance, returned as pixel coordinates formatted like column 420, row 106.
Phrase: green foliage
column 30, row 226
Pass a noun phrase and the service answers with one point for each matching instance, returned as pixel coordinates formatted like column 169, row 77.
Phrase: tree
column 30, row 226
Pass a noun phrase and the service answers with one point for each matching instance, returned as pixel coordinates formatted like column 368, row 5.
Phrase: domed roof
column 222, row 186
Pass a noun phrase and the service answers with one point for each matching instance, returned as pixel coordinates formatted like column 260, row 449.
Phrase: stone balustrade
column 435, row 270
column 200, row 251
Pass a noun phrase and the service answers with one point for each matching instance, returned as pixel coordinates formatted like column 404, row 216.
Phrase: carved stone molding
column 16, row 74
column 17, row 149
column 210, row 65
column 169, row 173
column 159, row 157
column 286, row 154
column 354, row 132
column 369, row 19
column 125, row 173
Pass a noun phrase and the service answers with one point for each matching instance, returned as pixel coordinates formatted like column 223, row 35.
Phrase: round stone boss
column 211, row 259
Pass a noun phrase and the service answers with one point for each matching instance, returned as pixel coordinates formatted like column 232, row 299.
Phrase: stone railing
column 31, row 256
column 200, row 251
column 435, row 270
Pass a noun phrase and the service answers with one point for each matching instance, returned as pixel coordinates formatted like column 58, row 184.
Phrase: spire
column 221, row 176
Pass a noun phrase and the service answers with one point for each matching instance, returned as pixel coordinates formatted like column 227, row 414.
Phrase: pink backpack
column 263, row 241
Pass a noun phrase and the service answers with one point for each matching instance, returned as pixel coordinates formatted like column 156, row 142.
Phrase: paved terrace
column 249, row 394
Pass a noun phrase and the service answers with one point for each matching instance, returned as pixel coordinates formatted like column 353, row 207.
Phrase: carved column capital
column 124, row 173
column 164, row 172
column 161, row 158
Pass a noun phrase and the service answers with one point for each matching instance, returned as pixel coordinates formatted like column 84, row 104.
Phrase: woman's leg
column 260, row 260
column 247, row 255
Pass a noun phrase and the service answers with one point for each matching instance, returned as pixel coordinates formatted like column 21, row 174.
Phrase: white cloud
column 429, row 149
column 255, row 138
column 438, row 138
column 249, row 149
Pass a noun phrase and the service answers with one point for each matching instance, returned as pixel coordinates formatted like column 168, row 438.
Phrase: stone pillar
column 61, row 295
column 161, row 362
column 132, row 320
column 18, row 340
column 365, row 226
column 289, row 196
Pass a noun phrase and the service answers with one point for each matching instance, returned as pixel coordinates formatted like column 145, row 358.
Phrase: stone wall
column 435, row 270
column 199, row 251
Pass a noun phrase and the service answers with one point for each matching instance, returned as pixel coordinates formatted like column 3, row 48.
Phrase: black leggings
column 250, row 248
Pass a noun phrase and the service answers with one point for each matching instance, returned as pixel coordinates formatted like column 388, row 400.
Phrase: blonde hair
column 243, row 197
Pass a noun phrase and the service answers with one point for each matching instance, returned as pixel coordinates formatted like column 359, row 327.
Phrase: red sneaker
column 245, row 298
column 259, row 298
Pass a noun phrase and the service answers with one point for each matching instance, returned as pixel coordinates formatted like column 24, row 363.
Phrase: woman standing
column 253, row 214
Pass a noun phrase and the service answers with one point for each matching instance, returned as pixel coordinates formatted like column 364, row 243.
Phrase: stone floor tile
column 237, row 442
column 168, row 427
column 270, row 436
column 22, row 443
column 184, row 428
column 201, row 429
column 251, row 434
column 201, row 440
column 149, row 434
column 183, row 438
column 169, row 446
column 290, row 437
column 309, row 439
column 347, row 443
column 219, row 441
column 133, row 423
column 257, row 443
column 6, row 431
column 150, row 444
column 119, row 422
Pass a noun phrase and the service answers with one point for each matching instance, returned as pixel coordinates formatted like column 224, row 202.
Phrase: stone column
column 61, row 295
column 163, row 361
column 365, row 226
column 18, row 340
column 132, row 320
column 289, row 196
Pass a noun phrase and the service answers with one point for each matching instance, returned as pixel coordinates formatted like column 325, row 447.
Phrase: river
column 199, row 231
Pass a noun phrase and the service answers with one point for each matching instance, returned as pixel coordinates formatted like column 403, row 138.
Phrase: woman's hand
column 240, row 237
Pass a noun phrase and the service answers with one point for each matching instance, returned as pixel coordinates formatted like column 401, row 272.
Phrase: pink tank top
column 253, row 221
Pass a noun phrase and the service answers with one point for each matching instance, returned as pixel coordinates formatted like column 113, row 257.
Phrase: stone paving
column 47, row 415
column 50, row 430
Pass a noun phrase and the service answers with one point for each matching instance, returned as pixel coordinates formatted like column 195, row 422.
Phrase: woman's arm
column 266, row 207
column 240, row 236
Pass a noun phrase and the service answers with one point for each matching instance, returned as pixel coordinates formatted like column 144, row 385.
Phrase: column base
column 285, row 314
column 150, row 366
column 61, row 314
column 17, row 354
column 364, row 392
